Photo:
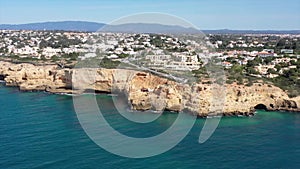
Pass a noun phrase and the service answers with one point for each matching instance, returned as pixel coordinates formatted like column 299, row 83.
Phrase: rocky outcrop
column 263, row 96
column 146, row 91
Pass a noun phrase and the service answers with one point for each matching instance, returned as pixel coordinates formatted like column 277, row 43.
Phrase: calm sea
column 40, row 130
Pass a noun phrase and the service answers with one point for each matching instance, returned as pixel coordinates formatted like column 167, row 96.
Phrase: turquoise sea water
column 40, row 130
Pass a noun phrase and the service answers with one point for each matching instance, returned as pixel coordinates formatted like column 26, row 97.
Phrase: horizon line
column 53, row 21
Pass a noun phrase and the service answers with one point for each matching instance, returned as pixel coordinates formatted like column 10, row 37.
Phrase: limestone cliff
column 146, row 91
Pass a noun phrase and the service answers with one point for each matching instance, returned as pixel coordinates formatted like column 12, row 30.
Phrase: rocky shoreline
column 146, row 91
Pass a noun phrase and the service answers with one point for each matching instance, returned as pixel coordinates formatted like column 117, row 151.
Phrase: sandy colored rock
column 146, row 91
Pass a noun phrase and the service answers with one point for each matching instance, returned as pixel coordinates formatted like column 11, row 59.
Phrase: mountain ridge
column 95, row 26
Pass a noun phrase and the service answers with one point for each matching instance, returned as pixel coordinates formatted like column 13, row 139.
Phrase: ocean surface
column 41, row 130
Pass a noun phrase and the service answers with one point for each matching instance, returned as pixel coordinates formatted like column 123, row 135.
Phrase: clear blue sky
column 206, row 14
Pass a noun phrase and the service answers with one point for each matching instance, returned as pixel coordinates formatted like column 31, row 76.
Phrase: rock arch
column 260, row 107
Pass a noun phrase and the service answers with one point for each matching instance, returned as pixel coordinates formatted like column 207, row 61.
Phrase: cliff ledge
column 146, row 91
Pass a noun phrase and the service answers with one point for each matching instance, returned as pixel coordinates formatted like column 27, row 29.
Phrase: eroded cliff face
column 146, row 91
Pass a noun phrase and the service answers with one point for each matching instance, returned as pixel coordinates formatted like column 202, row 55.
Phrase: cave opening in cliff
column 95, row 91
column 2, row 77
column 260, row 107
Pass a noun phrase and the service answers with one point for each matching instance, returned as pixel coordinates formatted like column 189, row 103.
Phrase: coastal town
column 137, row 84
column 247, row 58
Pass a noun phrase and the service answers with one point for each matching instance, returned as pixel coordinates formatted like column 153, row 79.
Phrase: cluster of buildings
column 155, row 51
column 174, row 61
column 254, row 41
column 37, row 44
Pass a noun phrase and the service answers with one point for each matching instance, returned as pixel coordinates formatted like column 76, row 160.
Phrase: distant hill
column 228, row 31
column 93, row 27
column 65, row 25
column 134, row 27
column 148, row 28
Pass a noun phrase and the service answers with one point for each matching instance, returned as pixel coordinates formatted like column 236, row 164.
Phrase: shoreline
column 237, row 115
column 166, row 111
column 240, row 99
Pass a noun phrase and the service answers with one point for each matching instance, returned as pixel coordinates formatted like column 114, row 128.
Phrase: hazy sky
column 206, row 14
